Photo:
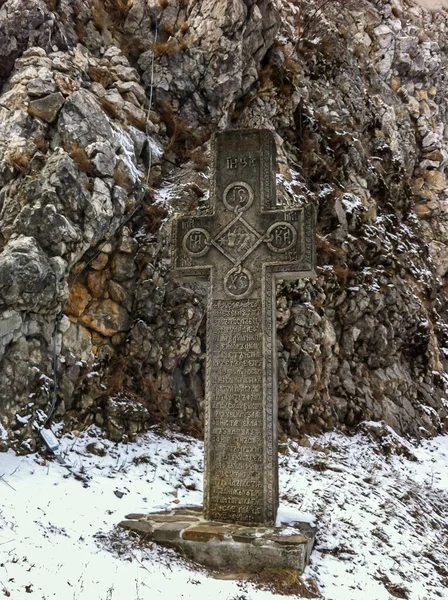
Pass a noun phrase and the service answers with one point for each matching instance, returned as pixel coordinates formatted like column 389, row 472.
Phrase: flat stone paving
column 227, row 546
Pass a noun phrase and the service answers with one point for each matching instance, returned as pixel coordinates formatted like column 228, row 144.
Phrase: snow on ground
column 383, row 521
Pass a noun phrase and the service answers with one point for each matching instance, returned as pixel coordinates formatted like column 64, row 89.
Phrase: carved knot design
column 238, row 239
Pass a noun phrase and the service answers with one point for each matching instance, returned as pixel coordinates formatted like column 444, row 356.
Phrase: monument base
column 225, row 546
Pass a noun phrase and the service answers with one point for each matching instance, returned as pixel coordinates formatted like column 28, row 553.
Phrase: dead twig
column 8, row 484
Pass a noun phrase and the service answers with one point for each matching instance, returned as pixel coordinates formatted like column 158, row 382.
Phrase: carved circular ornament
column 196, row 242
column 281, row 237
column 238, row 283
column 238, row 196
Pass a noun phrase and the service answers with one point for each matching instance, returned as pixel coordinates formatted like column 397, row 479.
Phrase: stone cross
column 244, row 241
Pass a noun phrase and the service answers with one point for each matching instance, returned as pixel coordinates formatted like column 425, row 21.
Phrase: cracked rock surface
column 356, row 95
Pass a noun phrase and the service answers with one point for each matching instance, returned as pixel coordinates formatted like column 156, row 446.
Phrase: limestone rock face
column 204, row 72
column 48, row 107
column 106, row 317
column 82, row 121
column 25, row 24
column 28, row 278
column 356, row 95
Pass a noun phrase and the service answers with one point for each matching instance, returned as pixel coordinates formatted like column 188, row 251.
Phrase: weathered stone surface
column 204, row 533
column 135, row 88
column 48, row 107
column 139, row 526
column 123, row 416
column 123, row 267
column 100, row 261
column 96, row 282
column 10, row 326
column 100, row 211
column 134, row 115
column 23, row 24
column 106, row 317
column 113, row 102
column 66, row 84
column 42, row 85
column 169, row 532
column 28, row 278
column 82, row 121
column 78, row 300
column 77, row 340
column 118, row 292
column 103, row 158
column 180, row 516
column 243, row 35
column 240, row 481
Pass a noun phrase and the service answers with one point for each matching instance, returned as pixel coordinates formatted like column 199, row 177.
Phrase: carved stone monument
column 241, row 245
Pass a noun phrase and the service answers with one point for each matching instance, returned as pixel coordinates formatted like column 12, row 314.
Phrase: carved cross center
column 238, row 239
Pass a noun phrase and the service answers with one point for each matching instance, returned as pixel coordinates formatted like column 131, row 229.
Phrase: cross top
column 242, row 243
column 244, row 229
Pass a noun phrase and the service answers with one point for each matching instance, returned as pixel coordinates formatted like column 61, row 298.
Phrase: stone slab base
column 225, row 546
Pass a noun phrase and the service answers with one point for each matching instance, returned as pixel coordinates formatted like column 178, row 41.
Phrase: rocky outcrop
column 356, row 96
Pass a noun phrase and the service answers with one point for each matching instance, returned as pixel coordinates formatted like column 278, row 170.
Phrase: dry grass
column 154, row 215
column 166, row 29
column 120, row 177
column 81, row 31
column 116, row 375
column 199, row 158
column 167, row 49
column 99, row 15
column 111, row 108
column 271, row 80
column 156, row 400
column 79, row 156
column 395, row 590
column 132, row 47
column 182, row 140
column 343, row 272
column 101, row 75
column 110, row 14
column 119, row 10
column 175, row 40
column 52, row 5
column 135, row 119
column 41, row 144
column 286, row 582
column 283, row 80
column 19, row 158
column 265, row 89
column 183, row 27
column 329, row 248
column 184, row 45
column 308, row 23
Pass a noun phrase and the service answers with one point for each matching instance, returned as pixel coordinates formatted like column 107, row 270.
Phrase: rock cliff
column 89, row 177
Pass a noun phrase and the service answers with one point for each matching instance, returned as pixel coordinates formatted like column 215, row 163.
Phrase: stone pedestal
column 224, row 546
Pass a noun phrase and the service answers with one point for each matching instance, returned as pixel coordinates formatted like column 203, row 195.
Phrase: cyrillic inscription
column 237, row 410
column 235, row 162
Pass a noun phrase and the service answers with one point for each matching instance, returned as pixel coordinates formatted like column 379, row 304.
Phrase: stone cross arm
column 244, row 244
